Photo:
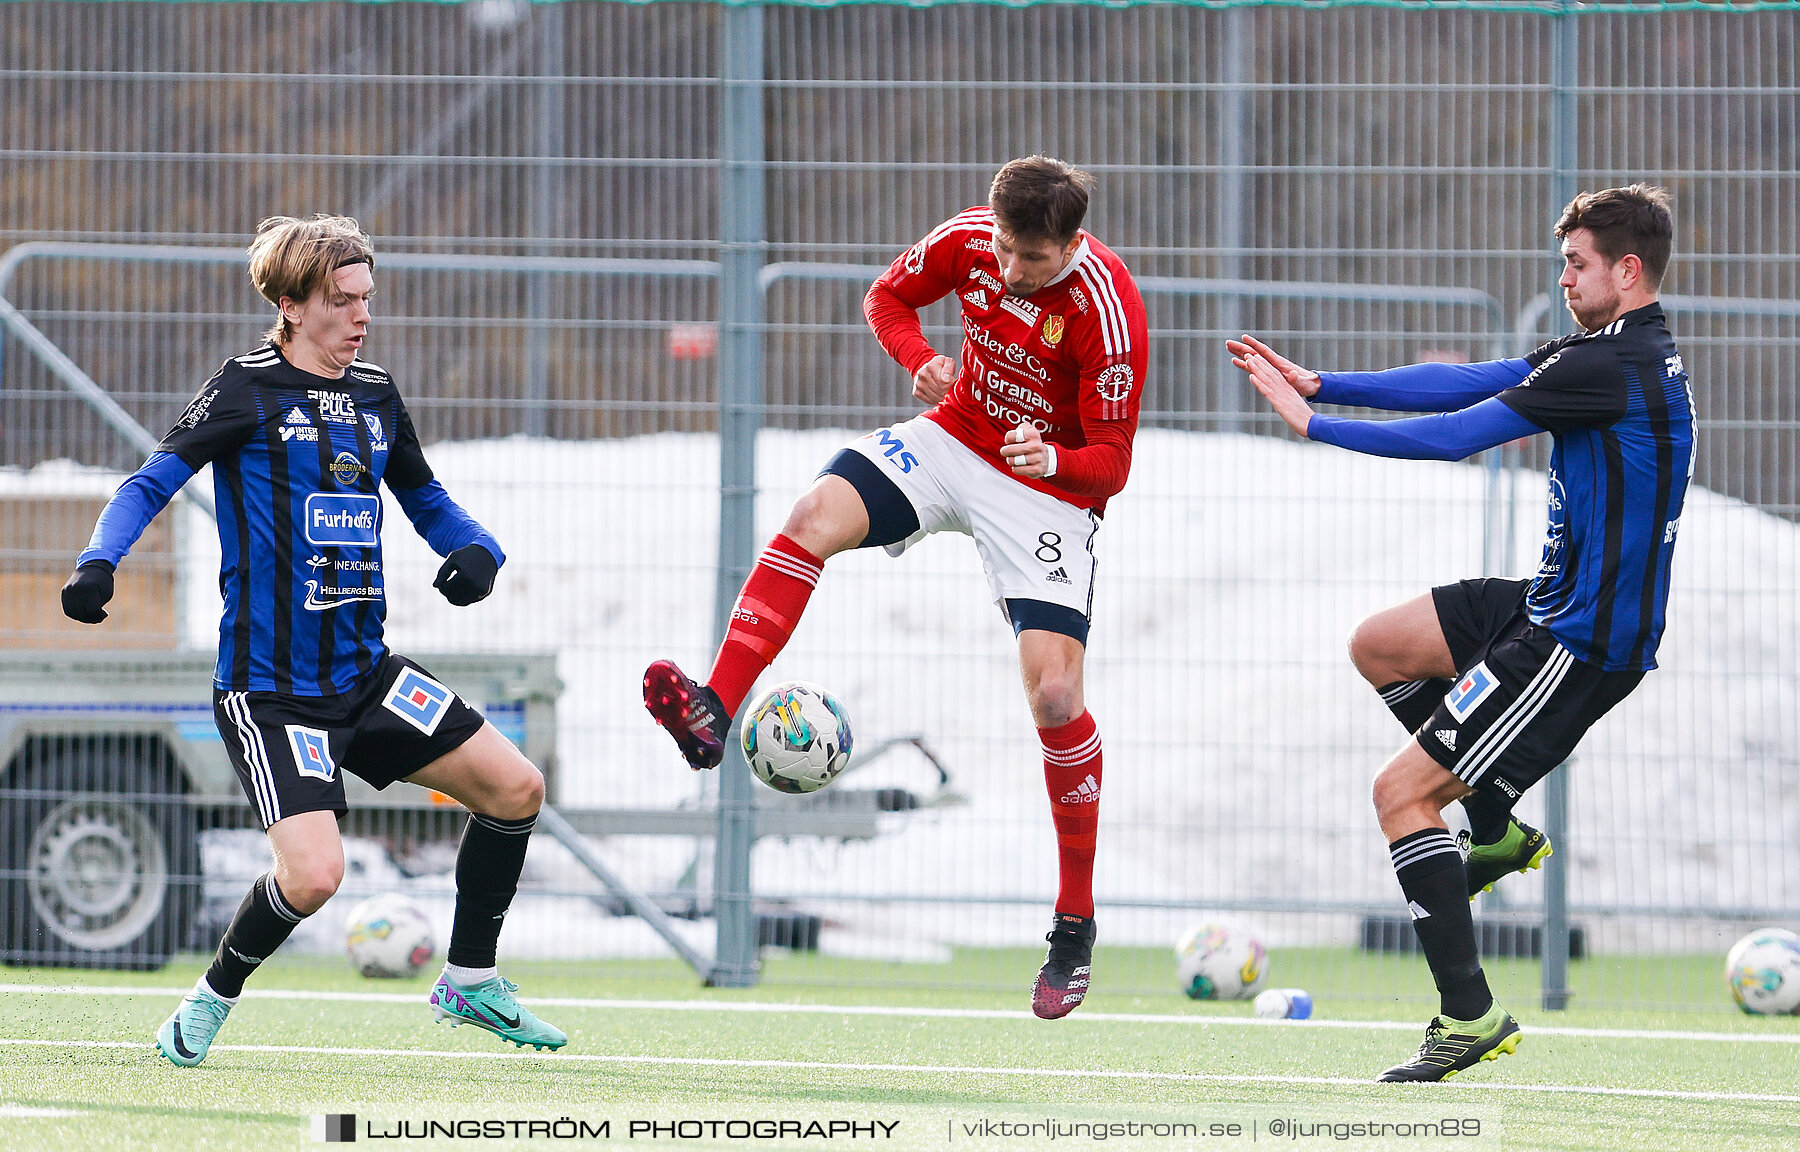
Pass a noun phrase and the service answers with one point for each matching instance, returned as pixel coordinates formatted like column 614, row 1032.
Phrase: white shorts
column 1032, row 545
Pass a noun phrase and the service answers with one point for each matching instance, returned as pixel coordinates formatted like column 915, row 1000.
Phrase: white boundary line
column 912, row 1013
column 933, row 1069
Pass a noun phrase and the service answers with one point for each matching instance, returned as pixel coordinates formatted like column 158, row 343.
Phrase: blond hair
column 295, row 258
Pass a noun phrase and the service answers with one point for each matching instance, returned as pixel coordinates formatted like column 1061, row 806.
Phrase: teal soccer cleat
column 492, row 1005
column 187, row 1034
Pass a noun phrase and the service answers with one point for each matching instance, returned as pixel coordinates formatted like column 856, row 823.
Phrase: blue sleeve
column 1445, row 436
column 442, row 521
column 144, row 493
column 1422, row 387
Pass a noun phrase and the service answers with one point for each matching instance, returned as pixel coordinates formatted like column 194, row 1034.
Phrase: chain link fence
column 1362, row 185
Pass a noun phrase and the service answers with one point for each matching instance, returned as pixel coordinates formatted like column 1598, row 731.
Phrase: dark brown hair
column 1039, row 197
column 295, row 258
column 1635, row 220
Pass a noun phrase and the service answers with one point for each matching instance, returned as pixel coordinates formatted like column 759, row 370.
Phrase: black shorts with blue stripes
column 291, row 752
column 1521, row 701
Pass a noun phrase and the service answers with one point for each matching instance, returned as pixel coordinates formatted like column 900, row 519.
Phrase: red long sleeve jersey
column 1070, row 358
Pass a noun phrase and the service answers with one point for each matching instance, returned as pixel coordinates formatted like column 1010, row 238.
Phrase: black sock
column 1413, row 701
column 262, row 922
column 487, row 875
column 1488, row 817
column 1437, row 891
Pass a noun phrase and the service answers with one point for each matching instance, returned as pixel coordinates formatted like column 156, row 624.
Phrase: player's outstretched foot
column 187, row 1034
column 1062, row 982
column 492, row 1005
column 1452, row 1045
column 689, row 712
column 1521, row 849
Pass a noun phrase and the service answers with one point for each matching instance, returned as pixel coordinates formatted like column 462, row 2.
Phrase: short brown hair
column 1635, row 220
column 295, row 258
column 1039, row 197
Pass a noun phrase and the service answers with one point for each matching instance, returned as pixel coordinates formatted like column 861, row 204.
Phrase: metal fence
column 630, row 226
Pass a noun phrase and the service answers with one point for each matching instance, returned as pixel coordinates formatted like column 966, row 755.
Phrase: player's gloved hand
column 466, row 576
column 84, row 597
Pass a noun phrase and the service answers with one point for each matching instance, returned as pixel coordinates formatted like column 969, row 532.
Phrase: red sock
column 767, row 610
column 1072, row 775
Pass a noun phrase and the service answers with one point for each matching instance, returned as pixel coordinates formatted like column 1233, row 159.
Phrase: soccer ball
column 1763, row 972
column 796, row 737
column 1220, row 961
column 388, row 936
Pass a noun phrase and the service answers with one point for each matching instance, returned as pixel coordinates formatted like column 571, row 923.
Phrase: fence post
column 1554, row 960
column 546, row 213
column 741, row 234
column 1233, row 400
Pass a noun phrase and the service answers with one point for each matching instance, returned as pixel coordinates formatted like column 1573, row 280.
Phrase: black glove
column 467, row 575
column 85, row 595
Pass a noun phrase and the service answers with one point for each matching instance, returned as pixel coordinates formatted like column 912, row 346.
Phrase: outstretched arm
column 1430, row 387
column 1440, row 436
column 1444, row 436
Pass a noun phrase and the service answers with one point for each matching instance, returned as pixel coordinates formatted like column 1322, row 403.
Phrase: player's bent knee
column 1373, row 652
column 307, row 885
column 1056, row 702
column 518, row 794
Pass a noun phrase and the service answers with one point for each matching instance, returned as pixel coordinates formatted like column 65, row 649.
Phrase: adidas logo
column 1447, row 737
column 1059, row 576
column 1087, row 792
column 1418, row 912
column 295, row 416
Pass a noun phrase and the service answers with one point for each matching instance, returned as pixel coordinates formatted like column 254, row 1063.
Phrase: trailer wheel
column 101, row 854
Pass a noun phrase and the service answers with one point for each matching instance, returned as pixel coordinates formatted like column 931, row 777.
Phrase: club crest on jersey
column 1475, row 686
column 419, row 700
column 377, row 440
column 915, row 259
column 1053, row 330
column 336, row 407
column 312, row 751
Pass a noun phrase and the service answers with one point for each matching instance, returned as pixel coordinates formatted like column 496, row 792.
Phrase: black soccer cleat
column 689, row 712
column 1453, row 1045
column 1062, row 982
column 1521, row 849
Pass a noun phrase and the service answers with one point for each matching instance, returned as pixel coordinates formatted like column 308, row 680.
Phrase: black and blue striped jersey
column 297, row 463
column 1618, row 404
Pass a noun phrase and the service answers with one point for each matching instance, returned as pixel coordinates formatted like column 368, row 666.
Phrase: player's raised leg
column 826, row 520
column 1051, row 663
column 309, row 865
column 503, row 792
column 1405, row 655
column 1409, row 794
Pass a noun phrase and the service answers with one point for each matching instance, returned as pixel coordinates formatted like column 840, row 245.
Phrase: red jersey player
column 1024, row 443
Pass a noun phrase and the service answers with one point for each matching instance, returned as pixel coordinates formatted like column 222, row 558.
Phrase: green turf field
column 859, row 1043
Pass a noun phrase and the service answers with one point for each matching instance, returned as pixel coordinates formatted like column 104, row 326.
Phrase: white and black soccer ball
column 388, row 937
column 1763, row 972
column 796, row 737
column 1217, row 960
